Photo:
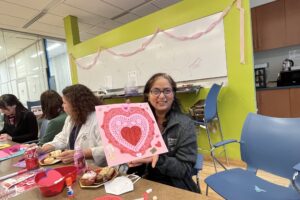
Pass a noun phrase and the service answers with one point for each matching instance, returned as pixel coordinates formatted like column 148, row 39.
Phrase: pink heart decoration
column 131, row 130
column 158, row 144
column 50, row 177
column 131, row 135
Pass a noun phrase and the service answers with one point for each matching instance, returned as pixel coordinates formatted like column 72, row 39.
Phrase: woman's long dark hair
column 51, row 103
column 11, row 100
column 176, row 107
column 82, row 100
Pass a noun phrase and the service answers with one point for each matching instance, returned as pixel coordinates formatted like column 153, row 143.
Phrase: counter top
column 278, row 88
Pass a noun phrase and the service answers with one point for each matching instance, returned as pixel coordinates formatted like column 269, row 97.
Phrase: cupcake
column 88, row 178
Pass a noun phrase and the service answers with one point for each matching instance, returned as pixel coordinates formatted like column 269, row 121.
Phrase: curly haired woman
column 80, row 128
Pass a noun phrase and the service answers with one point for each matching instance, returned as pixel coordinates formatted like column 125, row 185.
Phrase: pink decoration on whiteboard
column 129, row 132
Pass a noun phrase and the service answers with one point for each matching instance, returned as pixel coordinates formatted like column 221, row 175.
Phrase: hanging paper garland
column 179, row 38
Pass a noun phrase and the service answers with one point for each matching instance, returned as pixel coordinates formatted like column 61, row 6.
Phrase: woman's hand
column 153, row 160
column 67, row 156
column 4, row 137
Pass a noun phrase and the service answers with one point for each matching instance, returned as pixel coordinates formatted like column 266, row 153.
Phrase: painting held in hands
column 129, row 132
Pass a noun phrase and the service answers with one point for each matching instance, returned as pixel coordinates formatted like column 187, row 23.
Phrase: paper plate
column 97, row 185
column 52, row 163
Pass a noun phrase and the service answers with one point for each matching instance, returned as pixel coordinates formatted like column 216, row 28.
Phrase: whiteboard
column 186, row 61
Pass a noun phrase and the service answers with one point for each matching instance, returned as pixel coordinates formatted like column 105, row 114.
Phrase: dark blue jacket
column 175, row 167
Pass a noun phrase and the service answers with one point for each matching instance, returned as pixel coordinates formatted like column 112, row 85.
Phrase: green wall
column 235, row 100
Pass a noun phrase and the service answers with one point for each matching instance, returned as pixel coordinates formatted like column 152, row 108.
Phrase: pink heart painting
column 128, row 132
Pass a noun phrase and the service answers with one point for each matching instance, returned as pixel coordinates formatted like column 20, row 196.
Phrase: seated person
column 53, row 111
column 178, row 131
column 80, row 128
column 20, row 124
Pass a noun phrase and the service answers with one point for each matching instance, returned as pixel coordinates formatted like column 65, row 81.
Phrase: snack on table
column 49, row 160
column 105, row 174
column 55, row 153
column 88, row 178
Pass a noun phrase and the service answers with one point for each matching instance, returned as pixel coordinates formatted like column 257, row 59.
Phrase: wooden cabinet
column 279, row 102
column 274, row 103
column 270, row 25
column 292, row 15
column 254, row 30
column 295, row 102
column 276, row 24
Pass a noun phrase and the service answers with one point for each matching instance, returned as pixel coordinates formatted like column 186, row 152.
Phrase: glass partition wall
column 30, row 64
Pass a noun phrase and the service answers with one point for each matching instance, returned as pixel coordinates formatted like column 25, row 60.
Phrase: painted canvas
column 129, row 132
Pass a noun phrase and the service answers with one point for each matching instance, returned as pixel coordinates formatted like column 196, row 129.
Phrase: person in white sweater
column 80, row 128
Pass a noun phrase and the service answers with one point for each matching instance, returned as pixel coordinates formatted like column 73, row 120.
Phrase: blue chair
column 267, row 143
column 196, row 170
column 210, row 117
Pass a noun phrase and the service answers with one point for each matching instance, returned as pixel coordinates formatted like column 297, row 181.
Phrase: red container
column 50, row 190
column 68, row 171
column 54, row 189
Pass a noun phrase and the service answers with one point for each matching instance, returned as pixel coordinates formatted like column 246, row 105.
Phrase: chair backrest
column 211, row 103
column 271, row 144
column 198, row 165
column 31, row 104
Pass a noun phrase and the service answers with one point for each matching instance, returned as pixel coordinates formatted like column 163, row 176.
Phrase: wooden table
column 163, row 192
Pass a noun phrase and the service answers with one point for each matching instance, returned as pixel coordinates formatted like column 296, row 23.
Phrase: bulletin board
column 186, row 61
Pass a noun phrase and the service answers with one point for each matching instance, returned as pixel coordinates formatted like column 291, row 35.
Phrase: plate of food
column 97, row 177
column 51, row 159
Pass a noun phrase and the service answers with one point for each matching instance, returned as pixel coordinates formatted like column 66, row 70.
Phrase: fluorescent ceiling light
column 0, row 47
column 53, row 46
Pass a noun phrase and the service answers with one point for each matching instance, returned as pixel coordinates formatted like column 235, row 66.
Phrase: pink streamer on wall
column 195, row 36
column 242, row 31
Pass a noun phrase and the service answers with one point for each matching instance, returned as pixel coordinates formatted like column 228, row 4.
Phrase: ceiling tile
column 96, row 7
column 52, row 19
column 83, row 16
column 85, row 36
column 127, row 18
column 164, row 3
column 125, row 4
column 96, row 30
column 17, row 11
column 47, row 28
column 109, row 24
column 84, row 26
column 34, row 4
column 145, row 10
column 15, row 21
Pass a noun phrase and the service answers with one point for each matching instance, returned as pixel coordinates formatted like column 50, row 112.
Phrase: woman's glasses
column 157, row 92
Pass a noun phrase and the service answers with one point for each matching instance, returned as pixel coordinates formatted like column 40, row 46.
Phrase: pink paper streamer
column 195, row 36
column 242, row 31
